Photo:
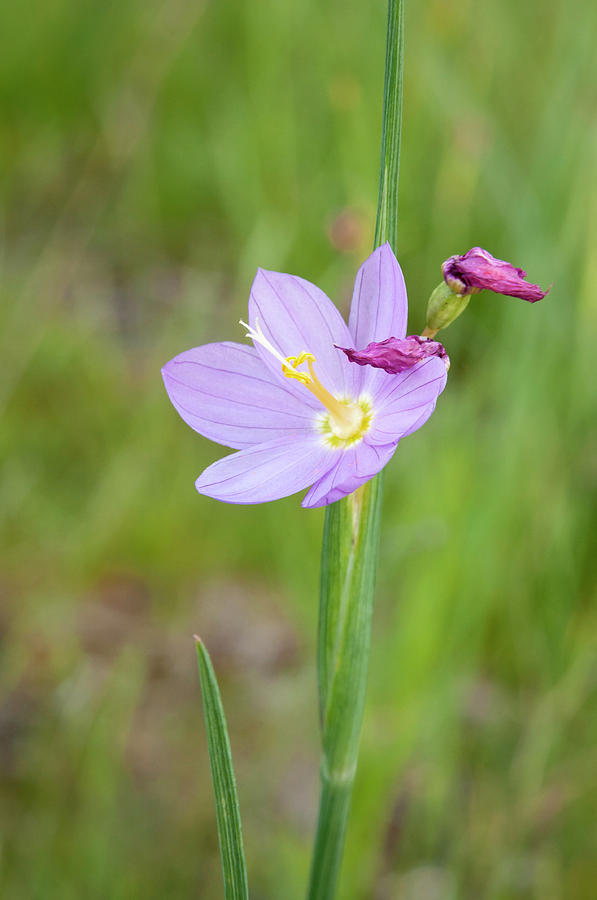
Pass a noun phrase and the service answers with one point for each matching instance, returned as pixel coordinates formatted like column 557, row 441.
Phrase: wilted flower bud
column 396, row 355
column 478, row 270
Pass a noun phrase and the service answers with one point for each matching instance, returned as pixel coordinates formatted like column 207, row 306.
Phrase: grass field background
column 152, row 155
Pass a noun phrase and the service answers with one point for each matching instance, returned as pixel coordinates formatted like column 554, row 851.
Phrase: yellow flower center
column 346, row 421
column 345, row 437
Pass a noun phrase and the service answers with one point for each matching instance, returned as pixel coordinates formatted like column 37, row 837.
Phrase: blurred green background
column 152, row 155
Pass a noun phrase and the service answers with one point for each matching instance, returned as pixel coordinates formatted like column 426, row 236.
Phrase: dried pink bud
column 479, row 270
column 396, row 355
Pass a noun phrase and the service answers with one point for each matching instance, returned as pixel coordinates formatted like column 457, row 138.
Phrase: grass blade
column 224, row 783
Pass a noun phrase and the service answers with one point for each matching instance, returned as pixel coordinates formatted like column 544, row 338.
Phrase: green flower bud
column 444, row 306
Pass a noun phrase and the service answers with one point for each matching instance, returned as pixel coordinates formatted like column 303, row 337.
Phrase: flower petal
column 295, row 315
column 225, row 392
column 379, row 307
column 267, row 471
column 407, row 401
column 425, row 414
column 356, row 465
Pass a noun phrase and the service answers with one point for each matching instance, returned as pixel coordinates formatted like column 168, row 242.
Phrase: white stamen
column 257, row 335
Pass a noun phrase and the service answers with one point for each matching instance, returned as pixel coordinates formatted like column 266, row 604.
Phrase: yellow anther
column 300, row 376
column 293, row 361
column 305, row 356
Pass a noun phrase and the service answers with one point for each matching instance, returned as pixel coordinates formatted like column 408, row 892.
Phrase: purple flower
column 294, row 407
column 395, row 355
column 478, row 270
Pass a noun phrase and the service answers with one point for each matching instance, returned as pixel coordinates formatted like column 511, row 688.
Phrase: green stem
column 349, row 561
column 349, row 556
column 386, row 225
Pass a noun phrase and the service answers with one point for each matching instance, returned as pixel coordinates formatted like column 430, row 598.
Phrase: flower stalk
column 349, row 556
column 348, row 567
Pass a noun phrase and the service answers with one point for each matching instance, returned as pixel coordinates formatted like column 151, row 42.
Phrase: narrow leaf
column 386, row 227
column 224, row 783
